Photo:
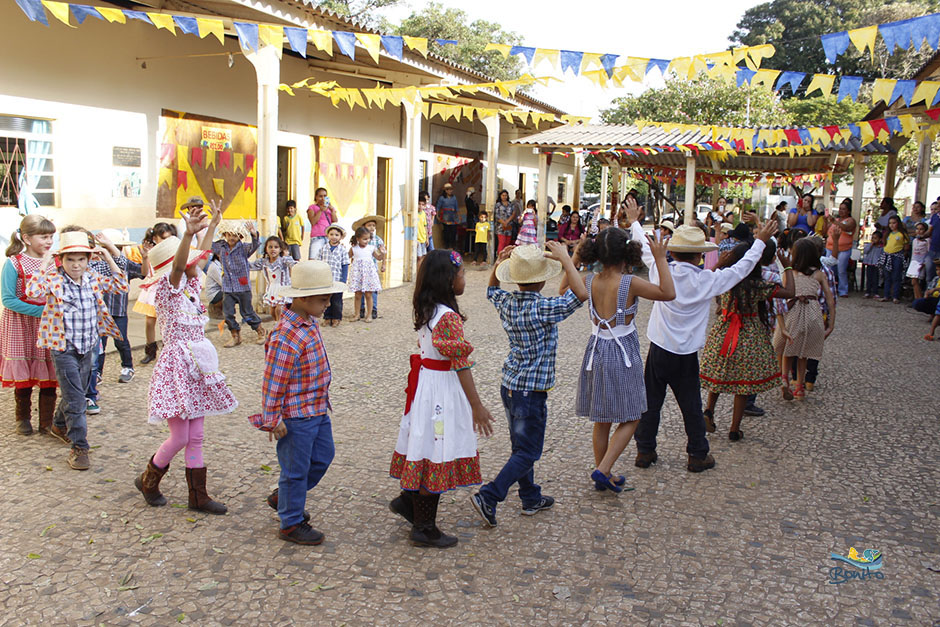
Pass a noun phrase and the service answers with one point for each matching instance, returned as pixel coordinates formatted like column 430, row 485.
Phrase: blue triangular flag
column 82, row 12
column 140, row 15
column 936, row 99
column 805, row 137
column 662, row 64
column 346, row 42
column 608, row 61
column 394, row 46
column 848, row 87
column 904, row 89
column 446, row 42
column 793, row 79
column 33, row 10
column 187, row 24
column 525, row 51
column 744, row 75
column 835, row 44
column 894, row 124
column 856, row 132
column 297, row 38
column 571, row 60
column 755, row 142
column 896, row 34
column 247, row 35
column 926, row 28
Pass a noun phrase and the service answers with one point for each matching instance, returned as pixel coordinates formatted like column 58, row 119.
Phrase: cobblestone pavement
column 746, row 543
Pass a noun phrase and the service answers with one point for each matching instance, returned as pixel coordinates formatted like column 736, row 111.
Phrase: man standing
column 447, row 216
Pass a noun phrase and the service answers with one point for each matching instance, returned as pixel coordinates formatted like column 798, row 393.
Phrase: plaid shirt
column 530, row 321
column 337, row 256
column 117, row 303
column 235, row 263
column 833, row 287
column 297, row 375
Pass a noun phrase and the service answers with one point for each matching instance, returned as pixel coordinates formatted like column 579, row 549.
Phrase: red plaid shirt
column 297, row 374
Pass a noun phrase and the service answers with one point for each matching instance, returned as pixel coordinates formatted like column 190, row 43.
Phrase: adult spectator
column 570, row 233
column 887, row 211
column 447, row 216
column 780, row 213
column 803, row 217
column 933, row 232
column 321, row 215
column 505, row 214
column 473, row 210
column 918, row 215
column 841, row 241
column 518, row 207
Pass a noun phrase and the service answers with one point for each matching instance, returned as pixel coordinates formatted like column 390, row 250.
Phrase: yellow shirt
column 483, row 232
column 293, row 229
column 895, row 243
column 422, row 228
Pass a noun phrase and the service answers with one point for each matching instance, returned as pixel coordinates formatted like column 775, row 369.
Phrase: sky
column 658, row 29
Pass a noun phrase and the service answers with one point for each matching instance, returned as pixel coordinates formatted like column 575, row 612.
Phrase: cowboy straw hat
column 727, row 227
column 311, row 278
column 338, row 227
column 527, row 264
column 370, row 218
column 231, row 226
column 118, row 237
column 667, row 224
column 689, row 239
column 74, row 242
column 161, row 259
column 194, row 201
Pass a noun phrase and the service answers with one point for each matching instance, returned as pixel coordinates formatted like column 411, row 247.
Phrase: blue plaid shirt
column 530, row 321
column 117, row 303
column 235, row 263
column 80, row 314
column 338, row 257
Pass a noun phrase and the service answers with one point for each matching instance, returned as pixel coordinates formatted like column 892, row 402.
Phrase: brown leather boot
column 262, row 334
column 150, row 353
column 46, row 409
column 235, row 340
column 149, row 484
column 24, row 409
column 198, row 497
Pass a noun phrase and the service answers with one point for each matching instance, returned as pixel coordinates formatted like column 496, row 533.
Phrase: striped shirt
column 235, row 263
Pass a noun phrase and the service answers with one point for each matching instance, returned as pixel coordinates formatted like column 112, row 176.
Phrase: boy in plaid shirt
column 531, row 322
column 296, row 398
column 337, row 256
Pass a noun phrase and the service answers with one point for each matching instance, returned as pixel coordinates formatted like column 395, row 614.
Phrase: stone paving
column 746, row 543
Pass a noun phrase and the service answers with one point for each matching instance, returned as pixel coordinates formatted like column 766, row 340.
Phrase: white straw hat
column 231, row 226
column 118, row 237
column 73, row 242
column 667, row 224
column 311, row 278
column 727, row 227
column 379, row 220
column 527, row 264
column 689, row 239
column 338, row 227
column 161, row 259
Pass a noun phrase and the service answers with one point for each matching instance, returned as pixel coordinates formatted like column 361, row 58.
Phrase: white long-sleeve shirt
column 679, row 326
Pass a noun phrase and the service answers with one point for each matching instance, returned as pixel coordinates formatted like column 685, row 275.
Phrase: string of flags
column 904, row 34
column 887, row 90
column 672, row 176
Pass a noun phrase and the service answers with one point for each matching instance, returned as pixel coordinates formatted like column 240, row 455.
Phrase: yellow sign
column 216, row 138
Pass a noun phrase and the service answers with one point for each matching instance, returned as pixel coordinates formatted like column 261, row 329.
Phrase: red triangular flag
column 249, row 162
column 250, row 183
column 879, row 125
column 197, row 156
column 167, row 152
column 225, row 159
column 182, row 180
column 793, row 136
column 832, row 130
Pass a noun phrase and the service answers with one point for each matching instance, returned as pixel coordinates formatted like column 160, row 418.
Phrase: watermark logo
column 867, row 565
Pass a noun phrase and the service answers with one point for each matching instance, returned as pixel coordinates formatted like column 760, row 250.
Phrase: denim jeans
column 73, row 371
column 316, row 244
column 926, row 305
column 893, row 280
column 304, row 455
column 872, row 278
column 92, row 390
column 930, row 268
column 527, row 414
column 335, row 310
column 679, row 372
column 243, row 300
column 122, row 345
column 294, row 251
column 845, row 256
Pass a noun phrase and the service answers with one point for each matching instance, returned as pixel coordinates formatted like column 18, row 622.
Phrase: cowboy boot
column 24, row 406
column 262, row 334
column 149, row 484
column 235, row 340
column 46, row 409
column 403, row 505
column 198, row 497
column 150, row 353
column 425, row 531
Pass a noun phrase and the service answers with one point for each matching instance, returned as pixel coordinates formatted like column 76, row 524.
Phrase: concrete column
column 615, row 190
column 603, row 199
column 576, row 187
column 689, row 190
column 268, row 71
column 827, row 194
column 923, row 169
column 890, row 172
column 858, row 186
column 542, row 198
column 666, row 190
column 412, row 113
column 492, row 161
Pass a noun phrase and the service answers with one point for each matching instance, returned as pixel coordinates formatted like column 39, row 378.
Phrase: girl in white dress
column 437, row 447
column 276, row 265
column 363, row 274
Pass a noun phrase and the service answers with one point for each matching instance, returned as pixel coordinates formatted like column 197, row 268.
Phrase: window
column 26, row 163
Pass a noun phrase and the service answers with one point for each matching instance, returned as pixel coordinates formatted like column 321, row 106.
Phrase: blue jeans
column 527, row 414
column 294, row 251
column 893, row 280
column 872, row 277
column 73, row 372
column 845, row 256
column 243, row 300
column 97, row 355
column 304, row 455
column 122, row 345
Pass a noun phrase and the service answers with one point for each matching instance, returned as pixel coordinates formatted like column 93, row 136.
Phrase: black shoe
column 375, row 315
column 403, row 505
column 754, row 410
column 486, row 512
column 734, row 436
column 272, row 503
column 709, row 416
column 301, row 534
column 150, row 353
column 545, row 502
column 698, row 465
column 645, row 460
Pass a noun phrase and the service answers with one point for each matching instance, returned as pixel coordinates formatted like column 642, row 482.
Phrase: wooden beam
column 542, row 195
column 923, row 169
column 492, row 162
column 689, row 190
column 890, row 172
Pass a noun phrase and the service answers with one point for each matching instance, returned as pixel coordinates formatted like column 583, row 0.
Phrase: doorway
column 383, row 201
column 522, row 183
column 286, row 189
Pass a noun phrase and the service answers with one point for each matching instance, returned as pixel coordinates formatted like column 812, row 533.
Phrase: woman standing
column 505, row 215
column 841, row 241
column 447, row 216
column 473, row 211
column 321, row 215
column 803, row 217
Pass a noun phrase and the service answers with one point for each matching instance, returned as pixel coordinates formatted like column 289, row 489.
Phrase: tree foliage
column 360, row 10
column 437, row 22
column 826, row 111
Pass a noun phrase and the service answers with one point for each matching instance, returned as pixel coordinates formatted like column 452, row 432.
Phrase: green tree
column 826, row 111
column 360, row 10
column 437, row 22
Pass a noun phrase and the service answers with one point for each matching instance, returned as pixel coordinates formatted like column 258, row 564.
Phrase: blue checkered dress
column 530, row 321
column 611, row 387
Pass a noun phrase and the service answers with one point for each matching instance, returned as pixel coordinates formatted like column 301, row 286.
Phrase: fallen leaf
column 212, row 585
column 515, row 598
column 152, row 536
column 110, row 480
column 104, row 514
column 126, row 578
column 91, row 540
column 191, row 519
column 48, row 467
column 95, row 496
column 217, row 549
column 138, row 527
column 181, row 617
column 43, row 532
column 33, row 556
column 179, row 505
column 265, row 468
column 123, row 588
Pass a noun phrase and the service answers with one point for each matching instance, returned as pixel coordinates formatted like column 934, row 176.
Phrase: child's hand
column 767, row 230
column 783, row 257
column 505, row 253
column 46, row 260
column 215, row 208
column 196, row 220
column 786, row 336
column 829, row 330
column 482, row 421
column 102, row 239
column 556, row 250
column 278, row 432
column 657, row 246
column 631, row 210
column 251, row 227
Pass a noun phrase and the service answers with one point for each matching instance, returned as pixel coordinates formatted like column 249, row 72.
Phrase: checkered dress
column 23, row 364
column 611, row 387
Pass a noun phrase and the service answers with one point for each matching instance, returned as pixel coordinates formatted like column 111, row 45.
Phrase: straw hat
column 162, row 256
column 73, row 242
column 311, row 278
column 667, row 224
column 448, row 186
column 726, row 227
column 231, row 226
column 689, row 239
column 118, row 237
column 527, row 264
column 379, row 221
column 194, row 201
column 338, row 227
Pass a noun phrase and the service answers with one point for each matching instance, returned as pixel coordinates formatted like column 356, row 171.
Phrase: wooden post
column 603, row 199
column 890, row 172
column 412, row 111
column 923, row 169
column 615, row 191
column 542, row 195
column 689, row 190
column 492, row 161
column 858, row 186
column 268, row 71
column 576, row 188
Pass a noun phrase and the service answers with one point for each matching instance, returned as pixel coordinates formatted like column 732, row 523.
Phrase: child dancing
column 336, row 255
column 276, row 265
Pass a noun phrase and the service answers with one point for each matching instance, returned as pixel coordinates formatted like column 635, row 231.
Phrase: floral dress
column 739, row 357
column 23, row 364
column 363, row 275
column 437, row 447
column 186, row 381
column 276, row 274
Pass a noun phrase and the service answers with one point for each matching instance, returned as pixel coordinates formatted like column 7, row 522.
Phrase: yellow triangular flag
column 371, row 43
column 219, row 186
column 418, row 44
column 503, row 49
column 698, row 66
column 925, row 92
column 322, row 40
column 908, row 125
column 864, row 38
column 355, row 99
column 165, row 176
column 756, row 54
column 884, row 87
column 426, row 109
column 507, row 115
column 468, row 112
column 591, row 61
column 112, row 15
column 209, row 27
column 239, row 162
column 210, row 158
column 822, row 82
column 59, row 9
column 181, row 154
column 162, row 20
column 819, row 135
column 681, row 66
column 546, row 54
column 765, row 78
column 867, row 135
column 273, row 36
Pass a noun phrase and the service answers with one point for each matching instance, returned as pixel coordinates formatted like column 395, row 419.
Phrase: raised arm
column 665, row 290
column 215, row 208
column 559, row 252
column 195, row 220
column 503, row 256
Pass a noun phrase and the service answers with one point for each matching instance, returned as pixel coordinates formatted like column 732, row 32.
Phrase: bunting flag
column 297, row 39
column 187, row 25
column 394, row 46
column 59, row 10
column 371, row 43
column 821, row 82
column 182, row 179
column 34, row 11
column 113, row 15
column 210, row 27
column 503, row 49
column 346, row 42
column 793, row 79
column 247, row 36
column 848, row 87
column 162, row 20
column 272, row 36
column 418, row 44
column 911, row 33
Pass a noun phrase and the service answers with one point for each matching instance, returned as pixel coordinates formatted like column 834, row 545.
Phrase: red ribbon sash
column 735, row 325
column 416, row 364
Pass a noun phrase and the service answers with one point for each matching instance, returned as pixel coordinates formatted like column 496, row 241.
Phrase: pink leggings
column 183, row 433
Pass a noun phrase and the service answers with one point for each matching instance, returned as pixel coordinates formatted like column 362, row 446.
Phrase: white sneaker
column 126, row 375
